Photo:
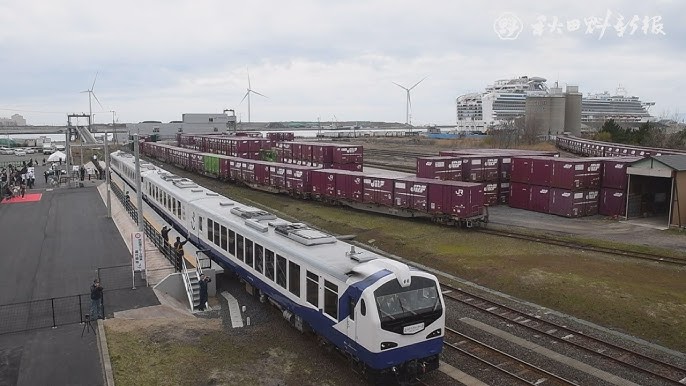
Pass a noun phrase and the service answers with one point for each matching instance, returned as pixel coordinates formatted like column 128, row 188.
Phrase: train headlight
column 434, row 334
column 387, row 345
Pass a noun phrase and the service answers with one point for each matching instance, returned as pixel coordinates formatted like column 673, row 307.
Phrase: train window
column 281, row 271
column 210, row 230
column 312, row 289
column 200, row 222
column 223, row 238
column 269, row 264
column 363, row 308
column 294, row 278
column 331, row 299
column 248, row 252
column 239, row 247
column 179, row 210
column 259, row 255
column 232, row 243
column 216, row 233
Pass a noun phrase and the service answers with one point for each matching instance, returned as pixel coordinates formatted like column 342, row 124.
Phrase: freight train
column 447, row 202
column 591, row 148
column 386, row 317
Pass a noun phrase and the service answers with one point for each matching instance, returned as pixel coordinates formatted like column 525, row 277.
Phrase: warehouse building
column 657, row 190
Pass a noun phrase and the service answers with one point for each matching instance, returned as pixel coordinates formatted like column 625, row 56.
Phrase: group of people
column 15, row 180
column 178, row 251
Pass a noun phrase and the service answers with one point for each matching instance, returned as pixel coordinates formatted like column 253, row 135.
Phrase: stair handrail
column 187, row 282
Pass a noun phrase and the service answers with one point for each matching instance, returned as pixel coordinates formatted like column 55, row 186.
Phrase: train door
column 352, row 323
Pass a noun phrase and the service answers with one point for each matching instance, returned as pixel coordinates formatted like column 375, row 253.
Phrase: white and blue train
column 387, row 317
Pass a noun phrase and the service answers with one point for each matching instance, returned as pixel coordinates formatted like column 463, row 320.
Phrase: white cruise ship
column 503, row 100
column 506, row 99
column 620, row 107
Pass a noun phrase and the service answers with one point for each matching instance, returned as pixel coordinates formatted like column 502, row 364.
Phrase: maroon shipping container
column 614, row 172
column 378, row 190
column 520, row 195
column 411, row 193
column 349, row 185
column 491, row 193
column 541, row 171
column 504, row 193
column 349, row 167
column 344, row 154
column 277, row 175
column 456, row 198
column 248, row 172
column 505, row 168
column 540, row 199
column 568, row 203
column 612, row 202
column 298, row 179
column 500, row 152
column 576, row 173
column 324, row 182
column 441, row 168
column 521, row 170
column 322, row 154
column 473, row 168
column 592, row 202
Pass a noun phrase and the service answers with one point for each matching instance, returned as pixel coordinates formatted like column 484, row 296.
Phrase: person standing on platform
column 96, row 300
column 203, row 291
column 178, row 246
column 165, row 234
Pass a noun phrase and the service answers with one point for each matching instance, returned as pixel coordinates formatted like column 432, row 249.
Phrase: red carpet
column 29, row 197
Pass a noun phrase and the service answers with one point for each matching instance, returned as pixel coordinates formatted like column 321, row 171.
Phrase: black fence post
column 102, row 304
column 52, row 305
column 80, row 310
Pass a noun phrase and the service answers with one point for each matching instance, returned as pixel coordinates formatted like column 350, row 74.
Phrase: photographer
column 96, row 300
column 203, row 291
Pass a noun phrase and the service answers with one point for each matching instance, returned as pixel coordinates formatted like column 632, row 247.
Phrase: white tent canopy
column 57, row 156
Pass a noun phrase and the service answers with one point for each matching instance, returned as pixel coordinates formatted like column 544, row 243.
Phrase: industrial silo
column 572, row 123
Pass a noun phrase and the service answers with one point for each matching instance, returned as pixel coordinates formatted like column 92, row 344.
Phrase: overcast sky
column 159, row 59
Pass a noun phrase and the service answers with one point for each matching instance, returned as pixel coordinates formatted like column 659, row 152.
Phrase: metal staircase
column 191, row 280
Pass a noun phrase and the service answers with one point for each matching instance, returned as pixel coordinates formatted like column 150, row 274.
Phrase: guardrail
column 187, row 283
column 150, row 231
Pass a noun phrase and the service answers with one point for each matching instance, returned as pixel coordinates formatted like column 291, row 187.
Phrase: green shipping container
column 211, row 164
column 268, row 155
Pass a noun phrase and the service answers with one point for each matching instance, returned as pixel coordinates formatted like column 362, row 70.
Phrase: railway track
column 512, row 367
column 652, row 367
column 585, row 247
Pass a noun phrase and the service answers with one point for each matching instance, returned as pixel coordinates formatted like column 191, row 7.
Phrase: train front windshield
column 419, row 300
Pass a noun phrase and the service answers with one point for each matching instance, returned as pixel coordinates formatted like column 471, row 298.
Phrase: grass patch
column 199, row 352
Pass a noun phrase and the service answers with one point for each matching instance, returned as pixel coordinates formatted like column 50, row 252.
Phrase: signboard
column 138, row 250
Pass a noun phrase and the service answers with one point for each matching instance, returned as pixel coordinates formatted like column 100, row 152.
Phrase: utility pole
column 114, row 129
column 139, row 192
column 107, row 177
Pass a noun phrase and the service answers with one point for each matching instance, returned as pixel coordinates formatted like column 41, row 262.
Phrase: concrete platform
column 52, row 248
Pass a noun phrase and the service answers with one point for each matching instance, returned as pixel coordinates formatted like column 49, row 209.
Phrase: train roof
column 298, row 241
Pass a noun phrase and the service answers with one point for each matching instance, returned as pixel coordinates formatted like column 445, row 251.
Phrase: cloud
column 159, row 59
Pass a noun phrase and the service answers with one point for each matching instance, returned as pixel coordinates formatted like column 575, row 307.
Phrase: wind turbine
column 409, row 101
column 90, row 106
column 247, row 95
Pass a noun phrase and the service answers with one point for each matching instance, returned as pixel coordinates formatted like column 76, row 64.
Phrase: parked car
column 6, row 151
column 19, row 153
column 30, row 151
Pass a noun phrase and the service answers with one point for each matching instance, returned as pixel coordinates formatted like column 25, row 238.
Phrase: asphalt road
column 49, row 249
